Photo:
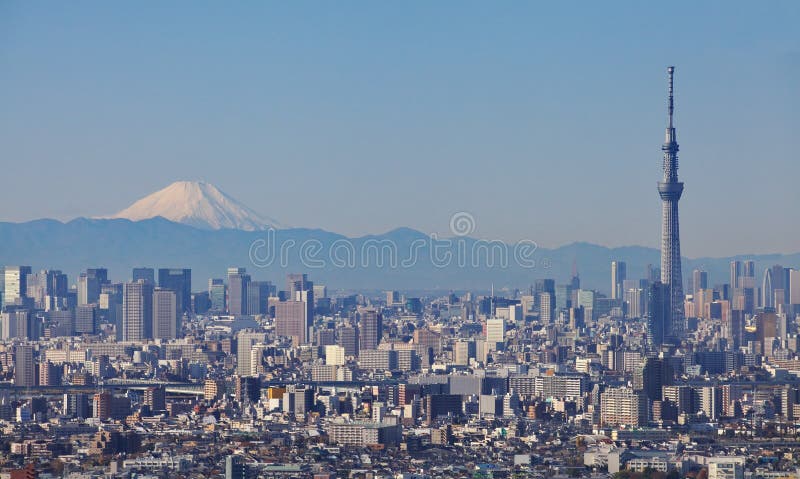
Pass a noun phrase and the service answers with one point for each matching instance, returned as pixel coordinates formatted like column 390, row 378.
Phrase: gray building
column 238, row 282
column 165, row 315
column 137, row 311
column 24, row 368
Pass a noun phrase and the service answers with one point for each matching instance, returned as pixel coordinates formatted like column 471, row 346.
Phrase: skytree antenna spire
column 670, row 190
column 670, row 106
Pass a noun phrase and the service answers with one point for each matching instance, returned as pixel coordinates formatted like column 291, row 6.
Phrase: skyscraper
column 16, row 283
column 658, row 315
column 238, row 281
column 216, row 293
column 545, row 307
column 780, row 285
column 292, row 320
column 736, row 272
column 180, row 281
column 794, row 287
column 295, row 317
column 699, row 280
column 89, row 284
column 165, row 314
column 24, row 369
column 257, row 296
column 245, row 341
column 670, row 190
column 618, row 275
column 767, row 290
column 44, row 284
column 86, row 319
column 370, row 328
column 147, row 274
column 137, row 311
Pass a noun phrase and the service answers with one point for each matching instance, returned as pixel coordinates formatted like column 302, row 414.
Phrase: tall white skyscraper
column 245, row 341
column 15, row 283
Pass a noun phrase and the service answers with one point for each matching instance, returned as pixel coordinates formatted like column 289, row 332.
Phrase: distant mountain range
column 195, row 225
column 332, row 259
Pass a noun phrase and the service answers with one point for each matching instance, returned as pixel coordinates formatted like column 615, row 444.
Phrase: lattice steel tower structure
column 670, row 190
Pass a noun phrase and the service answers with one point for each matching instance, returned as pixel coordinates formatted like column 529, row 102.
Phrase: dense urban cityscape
column 238, row 378
column 246, row 378
column 565, row 335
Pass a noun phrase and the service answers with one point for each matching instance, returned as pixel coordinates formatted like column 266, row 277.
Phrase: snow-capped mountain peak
column 198, row 204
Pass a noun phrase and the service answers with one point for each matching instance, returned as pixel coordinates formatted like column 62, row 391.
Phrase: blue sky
column 542, row 120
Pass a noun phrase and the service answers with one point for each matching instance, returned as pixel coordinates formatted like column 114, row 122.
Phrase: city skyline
column 520, row 114
column 399, row 240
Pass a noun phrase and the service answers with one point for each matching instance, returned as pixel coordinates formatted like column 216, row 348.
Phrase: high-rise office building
column 736, row 272
column 749, row 269
column 699, row 280
column 47, row 288
column 147, row 274
column 392, row 298
column 257, row 296
column 111, row 305
column 563, row 297
column 780, row 285
column 794, row 286
column 670, row 190
column 297, row 282
column 238, row 281
column 16, row 283
column 292, row 319
column 245, row 340
column 586, row 299
column 546, row 307
column 370, row 328
column 619, row 273
column 495, row 331
column 24, row 368
column 347, row 338
column 89, row 284
column 635, row 303
column 137, row 311
column 767, row 290
column 651, row 375
column 20, row 324
column 86, row 319
column 652, row 273
column 165, row 314
column 216, row 294
column 320, row 291
column 180, row 281
column 658, row 315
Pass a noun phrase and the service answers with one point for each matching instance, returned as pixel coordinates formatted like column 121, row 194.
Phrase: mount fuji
column 197, row 204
